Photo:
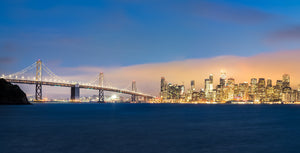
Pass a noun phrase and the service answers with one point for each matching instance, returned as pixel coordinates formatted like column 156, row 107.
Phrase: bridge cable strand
column 24, row 70
column 49, row 72
column 128, row 87
column 94, row 81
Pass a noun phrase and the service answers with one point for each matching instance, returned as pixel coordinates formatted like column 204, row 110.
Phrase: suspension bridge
column 53, row 80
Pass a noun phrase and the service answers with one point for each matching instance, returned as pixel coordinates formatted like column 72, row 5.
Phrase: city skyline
column 257, row 90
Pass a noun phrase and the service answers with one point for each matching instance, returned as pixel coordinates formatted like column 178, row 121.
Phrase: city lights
column 259, row 91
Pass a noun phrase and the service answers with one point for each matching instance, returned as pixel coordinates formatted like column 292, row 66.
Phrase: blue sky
column 132, row 32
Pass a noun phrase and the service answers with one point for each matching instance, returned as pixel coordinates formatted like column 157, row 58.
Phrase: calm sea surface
column 149, row 128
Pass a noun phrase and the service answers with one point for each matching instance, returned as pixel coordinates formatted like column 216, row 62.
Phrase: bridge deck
column 80, row 86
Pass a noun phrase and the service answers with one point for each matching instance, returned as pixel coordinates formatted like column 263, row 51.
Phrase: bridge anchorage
column 40, row 80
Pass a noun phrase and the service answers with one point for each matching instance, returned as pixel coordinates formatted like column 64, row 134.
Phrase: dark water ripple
column 149, row 128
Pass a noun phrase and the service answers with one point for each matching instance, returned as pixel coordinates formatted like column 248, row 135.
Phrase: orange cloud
column 268, row 65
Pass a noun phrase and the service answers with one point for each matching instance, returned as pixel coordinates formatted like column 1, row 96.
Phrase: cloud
column 285, row 34
column 7, row 60
column 8, row 47
column 225, row 12
column 267, row 65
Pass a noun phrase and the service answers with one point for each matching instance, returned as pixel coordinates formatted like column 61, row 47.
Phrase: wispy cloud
column 225, row 12
column 8, row 47
column 285, row 34
column 7, row 60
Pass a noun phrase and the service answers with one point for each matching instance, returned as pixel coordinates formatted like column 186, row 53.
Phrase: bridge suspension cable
column 32, row 66
column 50, row 73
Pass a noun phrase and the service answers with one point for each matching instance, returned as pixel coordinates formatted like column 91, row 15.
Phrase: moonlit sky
column 134, row 39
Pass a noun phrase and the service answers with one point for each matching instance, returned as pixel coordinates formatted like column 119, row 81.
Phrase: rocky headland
column 11, row 94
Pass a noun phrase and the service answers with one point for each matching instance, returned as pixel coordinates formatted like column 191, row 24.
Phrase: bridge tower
column 101, row 91
column 75, row 93
column 134, row 97
column 38, row 83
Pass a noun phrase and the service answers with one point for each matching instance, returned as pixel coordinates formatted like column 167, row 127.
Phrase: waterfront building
column 202, row 95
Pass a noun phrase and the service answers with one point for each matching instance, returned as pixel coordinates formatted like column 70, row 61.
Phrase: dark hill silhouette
column 11, row 94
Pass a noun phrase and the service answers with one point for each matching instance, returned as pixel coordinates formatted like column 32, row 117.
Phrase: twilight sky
column 118, row 34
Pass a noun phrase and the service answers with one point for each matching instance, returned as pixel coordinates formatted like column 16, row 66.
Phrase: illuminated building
column 195, row 96
column 279, row 83
column 209, row 93
column 223, row 79
column 211, row 78
column 294, row 96
column 253, row 90
column 269, row 83
column 219, row 93
column 169, row 91
column 236, row 91
column 174, row 91
column 243, row 91
column 261, row 89
column 298, row 94
column 230, row 89
column 285, row 80
column 206, row 87
column 202, row 95
column 193, row 85
column 163, row 88
column 269, row 91
column 277, row 93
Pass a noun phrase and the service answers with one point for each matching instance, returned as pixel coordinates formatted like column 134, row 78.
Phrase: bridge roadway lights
column 75, row 93
column 101, row 96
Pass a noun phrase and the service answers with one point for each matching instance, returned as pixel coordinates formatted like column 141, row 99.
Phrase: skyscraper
column 206, row 87
column 269, row 83
column 261, row 83
column 163, row 88
column 193, row 85
column 285, row 80
column 253, row 90
column 223, row 79
column 243, row 91
column 211, row 81
column 261, row 89
column 269, row 91
column 230, row 91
